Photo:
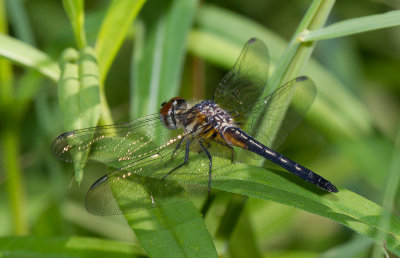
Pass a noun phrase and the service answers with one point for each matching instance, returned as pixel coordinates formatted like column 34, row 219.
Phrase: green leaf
column 21, row 24
column 157, row 65
column 27, row 56
column 353, row 26
column 176, row 230
column 345, row 207
column 112, row 33
column 75, row 11
column 391, row 189
column 78, row 94
column 335, row 110
column 159, row 53
column 32, row 246
column 356, row 247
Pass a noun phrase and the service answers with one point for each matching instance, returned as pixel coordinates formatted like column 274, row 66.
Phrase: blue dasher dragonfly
column 187, row 147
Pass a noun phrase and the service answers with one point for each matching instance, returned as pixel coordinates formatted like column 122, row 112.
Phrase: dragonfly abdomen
column 241, row 139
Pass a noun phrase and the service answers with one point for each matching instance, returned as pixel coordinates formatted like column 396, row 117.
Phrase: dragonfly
column 187, row 147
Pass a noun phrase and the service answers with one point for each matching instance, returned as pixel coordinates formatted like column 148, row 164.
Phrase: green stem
column 297, row 53
column 105, row 117
column 75, row 11
column 389, row 197
column 9, row 140
column 15, row 188
column 296, row 56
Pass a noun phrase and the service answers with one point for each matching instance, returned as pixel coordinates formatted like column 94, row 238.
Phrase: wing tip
column 301, row 78
column 99, row 182
column 252, row 40
column 65, row 135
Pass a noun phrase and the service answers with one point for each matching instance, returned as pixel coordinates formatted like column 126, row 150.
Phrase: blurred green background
column 349, row 135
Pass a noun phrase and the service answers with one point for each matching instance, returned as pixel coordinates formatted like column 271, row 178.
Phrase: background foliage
column 148, row 52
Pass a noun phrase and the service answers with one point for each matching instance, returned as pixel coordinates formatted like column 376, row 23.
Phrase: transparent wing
column 143, row 185
column 243, row 85
column 276, row 116
column 144, row 151
column 117, row 144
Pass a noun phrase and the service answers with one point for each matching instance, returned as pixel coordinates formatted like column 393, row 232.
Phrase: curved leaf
column 159, row 53
column 157, row 65
column 78, row 94
column 32, row 246
column 227, row 31
column 345, row 207
column 177, row 230
column 27, row 56
column 113, row 30
column 75, row 11
column 353, row 26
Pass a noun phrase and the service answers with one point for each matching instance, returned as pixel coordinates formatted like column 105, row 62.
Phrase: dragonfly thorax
column 213, row 114
column 177, row 113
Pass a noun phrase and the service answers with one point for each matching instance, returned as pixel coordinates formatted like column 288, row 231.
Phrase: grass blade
column 157, row 65
column 392, row 186
column 113, row 30
column 353, row 26
column 27, row 56
column 10, row 142
column 159, row 54
column 19, row 18
column 75, row 11
column 78, row 94
column 180, row 225
column 345, row 207
column 32, row 246
column 334, row 104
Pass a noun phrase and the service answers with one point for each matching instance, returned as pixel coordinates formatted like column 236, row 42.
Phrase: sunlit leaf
column 75, row 11
column 32, row 246
column 113, row 31
column 78, row 94
column 353, row 26
column 27, row 56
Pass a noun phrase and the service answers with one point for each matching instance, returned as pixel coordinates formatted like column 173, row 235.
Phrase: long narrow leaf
column 75, row 11
column 334, row 104
column 159, row 54
column 112, row 33
column 27, row 56
column 32, row 246
column 19, row 17
column 180, row 225
column 345, row 207
column 354, row 26
column 157, row 65
column 78, row 94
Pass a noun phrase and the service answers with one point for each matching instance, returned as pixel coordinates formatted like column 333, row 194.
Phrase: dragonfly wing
column 243, row 85
column 119, row 143
column 143, row 184
column 282, row 111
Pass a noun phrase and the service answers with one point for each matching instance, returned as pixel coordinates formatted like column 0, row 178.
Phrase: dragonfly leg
column 185, row 160
column 209, row 167
column 177, row 147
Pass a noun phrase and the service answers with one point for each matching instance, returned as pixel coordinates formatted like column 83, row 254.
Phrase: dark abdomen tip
column 331, row 188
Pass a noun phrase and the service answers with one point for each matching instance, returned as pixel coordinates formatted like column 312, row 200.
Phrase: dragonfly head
column 168, row 111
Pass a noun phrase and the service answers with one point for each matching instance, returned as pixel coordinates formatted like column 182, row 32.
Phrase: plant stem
column 9, row 140
column 297, row 53
column 296, row 56
column 15, row 189
column 389, row 196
